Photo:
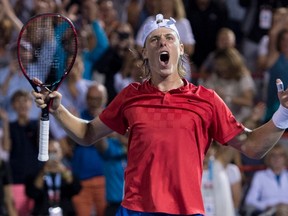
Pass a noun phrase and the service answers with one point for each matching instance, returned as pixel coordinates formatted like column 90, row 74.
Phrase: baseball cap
column 158, row 23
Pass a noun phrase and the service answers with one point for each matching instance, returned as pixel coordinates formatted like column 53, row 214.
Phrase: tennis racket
column 46, row 50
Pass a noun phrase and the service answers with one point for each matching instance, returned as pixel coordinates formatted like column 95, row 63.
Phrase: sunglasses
column 123, row 35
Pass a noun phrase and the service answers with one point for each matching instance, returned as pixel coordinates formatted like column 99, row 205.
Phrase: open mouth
column 164, row 57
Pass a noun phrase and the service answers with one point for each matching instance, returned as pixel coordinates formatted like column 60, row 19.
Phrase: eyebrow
column 167, row 34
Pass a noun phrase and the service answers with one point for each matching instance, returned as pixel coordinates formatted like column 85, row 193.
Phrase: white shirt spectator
column 265, row 191
column 234, row 173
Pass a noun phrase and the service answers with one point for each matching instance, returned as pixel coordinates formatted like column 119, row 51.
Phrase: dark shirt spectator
column 206, row 18
column 53, row 187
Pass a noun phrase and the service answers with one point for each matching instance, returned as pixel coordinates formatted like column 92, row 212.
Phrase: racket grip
column 43, row 140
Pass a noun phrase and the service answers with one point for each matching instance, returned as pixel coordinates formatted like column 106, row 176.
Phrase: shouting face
column 163, row 50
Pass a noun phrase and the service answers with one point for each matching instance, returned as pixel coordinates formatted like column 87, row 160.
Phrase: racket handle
column 43, row 140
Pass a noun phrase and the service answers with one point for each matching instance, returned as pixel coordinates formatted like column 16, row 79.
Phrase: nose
column 162, row 40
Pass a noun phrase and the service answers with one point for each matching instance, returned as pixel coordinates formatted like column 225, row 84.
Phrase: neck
column 23, row 120
column 277, row 171
column 167, row 85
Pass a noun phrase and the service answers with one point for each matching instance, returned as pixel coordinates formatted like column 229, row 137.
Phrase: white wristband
column 280, row 117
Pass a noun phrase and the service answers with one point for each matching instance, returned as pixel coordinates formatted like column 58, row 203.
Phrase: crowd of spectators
column 236, row 47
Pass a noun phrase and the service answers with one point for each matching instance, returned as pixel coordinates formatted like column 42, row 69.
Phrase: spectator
column 257, row 22
column 129, row 72
column 99, row 166
column 7, row 207
column 225, row 39
column 87, row 163
column 226, row 155
column 279, row 15
column 216, row 190
column 23, row 149
column 236, row 15
column 109, row 17
column 114, row 153
column 276, row 61
column 139, row 10
column 121, row 43
column 53, row 187
column 93, row 40
column 233, row 82
column 213, row 16
column 6, row 27
column 269, row 187
column 4, row 135
column 11, row 80
column 121, row 8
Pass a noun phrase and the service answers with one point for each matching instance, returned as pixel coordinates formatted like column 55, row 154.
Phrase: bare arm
column 81, row 131
column 259, row 141
column 7, row 8
column 256, row 143
column 6, row 142
column 8, row 199
column 279, row 24
column 236, row 189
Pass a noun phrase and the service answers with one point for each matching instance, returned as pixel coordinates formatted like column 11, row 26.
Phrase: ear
column 144, row 53
column 181, row 49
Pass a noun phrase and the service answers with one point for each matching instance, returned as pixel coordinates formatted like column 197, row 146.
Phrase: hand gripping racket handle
column 43, row 140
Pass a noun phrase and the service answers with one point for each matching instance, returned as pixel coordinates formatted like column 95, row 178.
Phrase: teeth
column 164, row 56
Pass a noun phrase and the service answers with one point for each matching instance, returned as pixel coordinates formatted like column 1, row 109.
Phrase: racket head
column 46, row 49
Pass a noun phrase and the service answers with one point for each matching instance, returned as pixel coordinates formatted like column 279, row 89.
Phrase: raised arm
column 8, row 10
column 280, row 21
column 256, row 143
column 81, row 131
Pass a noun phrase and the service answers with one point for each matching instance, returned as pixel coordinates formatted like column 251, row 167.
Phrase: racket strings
column 48, row 48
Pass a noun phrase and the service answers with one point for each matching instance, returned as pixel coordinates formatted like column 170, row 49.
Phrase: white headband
column 158, row 23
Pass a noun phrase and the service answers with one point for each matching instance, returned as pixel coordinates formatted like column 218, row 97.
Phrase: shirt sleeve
column 234, row 174
column 113, row 115
column 224, row 124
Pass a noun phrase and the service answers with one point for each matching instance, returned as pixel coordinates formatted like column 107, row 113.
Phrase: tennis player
column 171, row 123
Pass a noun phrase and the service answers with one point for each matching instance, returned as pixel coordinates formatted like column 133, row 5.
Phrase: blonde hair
column 234, row 61
column 225, row 30
column 278, row 147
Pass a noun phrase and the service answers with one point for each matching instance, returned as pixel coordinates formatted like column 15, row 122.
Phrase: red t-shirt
column 169, row 136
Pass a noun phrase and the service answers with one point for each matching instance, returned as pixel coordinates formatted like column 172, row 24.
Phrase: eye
column 170, row 37
column 154, row 39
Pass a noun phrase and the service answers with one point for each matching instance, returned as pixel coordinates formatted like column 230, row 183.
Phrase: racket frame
column 44, row 120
